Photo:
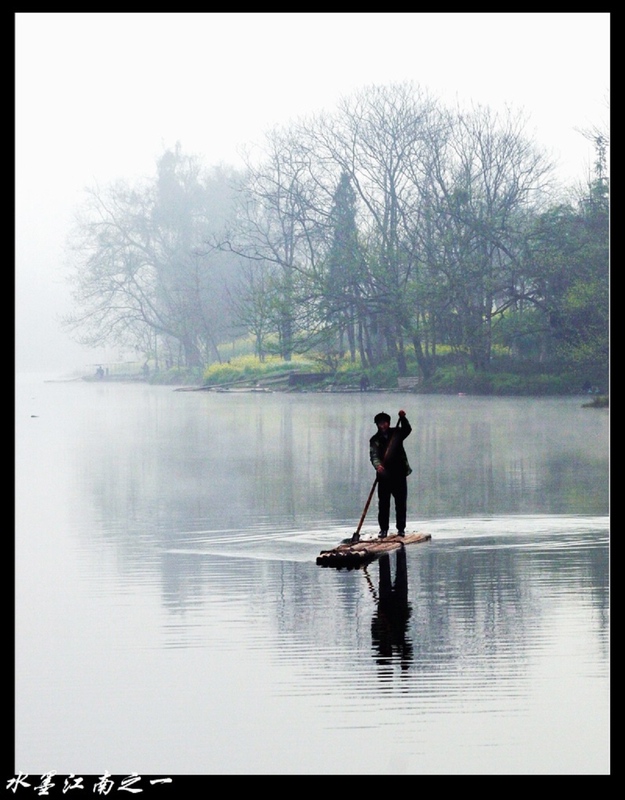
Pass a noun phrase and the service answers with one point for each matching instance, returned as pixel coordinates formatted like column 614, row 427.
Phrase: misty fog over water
column 171, row 618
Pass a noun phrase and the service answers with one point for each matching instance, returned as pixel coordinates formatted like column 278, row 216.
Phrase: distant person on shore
column 364, row 383
column 99, row 373
column 389, row 459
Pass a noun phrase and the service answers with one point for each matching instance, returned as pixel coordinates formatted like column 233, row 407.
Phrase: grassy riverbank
column 301, row 374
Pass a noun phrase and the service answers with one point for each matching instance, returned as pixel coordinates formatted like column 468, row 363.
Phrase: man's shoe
column 382, row 534
column 401, row 533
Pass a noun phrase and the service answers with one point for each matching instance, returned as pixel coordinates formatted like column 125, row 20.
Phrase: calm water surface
column 171, row 618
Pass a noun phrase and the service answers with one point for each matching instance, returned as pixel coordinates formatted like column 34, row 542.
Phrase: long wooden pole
column 356, row 536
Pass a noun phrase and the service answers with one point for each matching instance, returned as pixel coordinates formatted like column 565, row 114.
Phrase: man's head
column 382, row 420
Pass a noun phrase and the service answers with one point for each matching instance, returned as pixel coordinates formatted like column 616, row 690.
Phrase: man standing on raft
column 389, row 459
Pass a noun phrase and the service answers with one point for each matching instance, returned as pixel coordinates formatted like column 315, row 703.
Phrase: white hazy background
column 100, row 96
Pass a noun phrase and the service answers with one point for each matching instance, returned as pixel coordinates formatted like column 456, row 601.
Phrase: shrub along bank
column 248, row 371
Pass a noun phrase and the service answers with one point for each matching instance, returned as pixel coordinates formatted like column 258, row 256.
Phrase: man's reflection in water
column 390, row 621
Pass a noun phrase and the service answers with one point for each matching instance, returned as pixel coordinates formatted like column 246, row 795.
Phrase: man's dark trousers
column 397, row 486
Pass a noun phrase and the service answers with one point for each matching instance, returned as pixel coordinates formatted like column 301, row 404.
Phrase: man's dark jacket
column 393, row 458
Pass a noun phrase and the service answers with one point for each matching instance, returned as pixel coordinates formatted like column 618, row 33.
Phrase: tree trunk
column 192, row 355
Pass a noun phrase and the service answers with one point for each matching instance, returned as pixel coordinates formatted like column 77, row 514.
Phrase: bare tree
column 482, row 186
column 280, row 225
column 140, row 262
column 377, row 138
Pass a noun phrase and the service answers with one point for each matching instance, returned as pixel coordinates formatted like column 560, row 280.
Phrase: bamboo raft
column 353, row 555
